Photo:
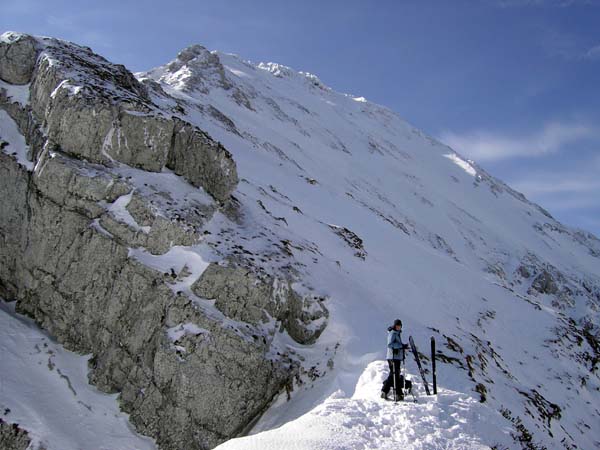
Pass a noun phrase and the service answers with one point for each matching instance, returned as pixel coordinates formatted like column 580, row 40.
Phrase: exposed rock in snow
column 12, row 437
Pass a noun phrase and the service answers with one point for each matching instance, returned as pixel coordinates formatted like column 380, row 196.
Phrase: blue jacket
column 394, row 342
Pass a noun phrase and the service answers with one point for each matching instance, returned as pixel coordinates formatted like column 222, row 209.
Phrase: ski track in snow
column 44, row 389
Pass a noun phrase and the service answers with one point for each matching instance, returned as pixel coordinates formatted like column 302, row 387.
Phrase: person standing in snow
column 395, row 355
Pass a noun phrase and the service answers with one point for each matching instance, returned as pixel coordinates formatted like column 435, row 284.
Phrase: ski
column 413, row 347
column 434, row 376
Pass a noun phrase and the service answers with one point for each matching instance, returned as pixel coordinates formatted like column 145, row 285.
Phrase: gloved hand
column 395, row 351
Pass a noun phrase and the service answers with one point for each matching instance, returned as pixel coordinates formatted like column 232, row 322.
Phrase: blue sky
column 513, row 84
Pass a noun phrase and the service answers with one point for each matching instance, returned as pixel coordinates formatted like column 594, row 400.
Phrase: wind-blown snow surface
column 45, row 390
column 387, row 222
column 448, row 420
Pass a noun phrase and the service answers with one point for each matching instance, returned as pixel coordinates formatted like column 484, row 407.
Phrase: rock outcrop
column 190, row 375
column 12, row 437
column 17, row 58
column 256, row 299
column 207, row 169
column 98, row 111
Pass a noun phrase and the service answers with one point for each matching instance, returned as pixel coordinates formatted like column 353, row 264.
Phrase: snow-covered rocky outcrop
column 221, row 234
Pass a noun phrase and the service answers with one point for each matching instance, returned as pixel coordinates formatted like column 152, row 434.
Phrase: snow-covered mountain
column 386, row 222
column 344, row 218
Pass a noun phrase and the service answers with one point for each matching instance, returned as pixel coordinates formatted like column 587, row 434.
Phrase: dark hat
column 398, row 322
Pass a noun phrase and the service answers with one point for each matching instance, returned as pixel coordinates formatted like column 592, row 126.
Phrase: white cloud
column 558, row 185
column 582, row 204
column 593, row 53
column 564, row 191
column 489, row 146
column 567, row 186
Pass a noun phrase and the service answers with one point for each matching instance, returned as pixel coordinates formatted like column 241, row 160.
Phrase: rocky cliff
column 99, row 183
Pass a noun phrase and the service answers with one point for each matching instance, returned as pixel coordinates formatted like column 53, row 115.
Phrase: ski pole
column 402, row 375
column 394, row 377
column 433, row 365
column 403, row 372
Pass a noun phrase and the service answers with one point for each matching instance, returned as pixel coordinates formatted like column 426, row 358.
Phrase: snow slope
column 45, row 390
column 386, row 222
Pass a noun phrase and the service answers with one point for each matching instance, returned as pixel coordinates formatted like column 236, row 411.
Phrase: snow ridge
column 448, row 420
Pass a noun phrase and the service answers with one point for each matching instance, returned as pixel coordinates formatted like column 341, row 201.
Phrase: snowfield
column 44, row 388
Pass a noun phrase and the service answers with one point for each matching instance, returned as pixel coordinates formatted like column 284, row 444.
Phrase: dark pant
column 394, row 365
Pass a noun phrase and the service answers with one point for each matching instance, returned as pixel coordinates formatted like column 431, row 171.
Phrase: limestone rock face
column 17, row 57
column 98, row 111
column 66, row 182
column 190, row 375
column 252, row 298
column 80, row 285
column 238, row 293
column 212, row 169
